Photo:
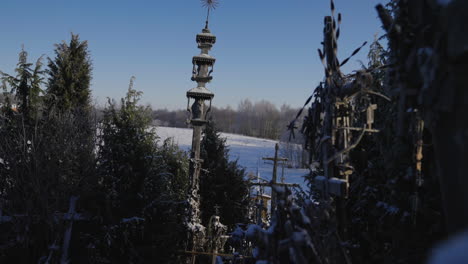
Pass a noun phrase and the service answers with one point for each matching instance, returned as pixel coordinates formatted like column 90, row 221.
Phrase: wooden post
column 68, row 232
column 274, row 179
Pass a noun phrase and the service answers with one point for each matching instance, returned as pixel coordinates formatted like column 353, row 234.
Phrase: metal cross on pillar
column 202, row 69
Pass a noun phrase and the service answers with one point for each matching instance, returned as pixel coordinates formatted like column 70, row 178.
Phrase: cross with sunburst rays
column 209, row 5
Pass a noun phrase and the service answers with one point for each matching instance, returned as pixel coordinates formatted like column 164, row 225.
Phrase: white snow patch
column 183, row 137
column 249, row 152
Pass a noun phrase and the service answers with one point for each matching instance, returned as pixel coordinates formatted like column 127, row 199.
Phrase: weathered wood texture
column 429, row 50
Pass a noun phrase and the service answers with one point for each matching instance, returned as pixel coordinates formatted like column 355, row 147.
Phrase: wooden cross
column 69, row 217
column 274, row 181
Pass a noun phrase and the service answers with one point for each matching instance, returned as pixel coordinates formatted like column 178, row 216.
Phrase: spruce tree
column 222, row 181
column 127, row 151
column 377, row 54
column 68, row 95
column 143, row 185
column 44, row 161
column 26, row 85
column 70, row 76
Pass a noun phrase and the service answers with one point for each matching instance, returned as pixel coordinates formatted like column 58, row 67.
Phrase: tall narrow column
column 202, row 69
column 274, row 181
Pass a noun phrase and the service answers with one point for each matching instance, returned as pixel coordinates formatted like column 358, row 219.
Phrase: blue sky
column 266, row 49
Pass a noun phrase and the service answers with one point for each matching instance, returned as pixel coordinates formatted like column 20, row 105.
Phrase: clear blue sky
column 266, row 49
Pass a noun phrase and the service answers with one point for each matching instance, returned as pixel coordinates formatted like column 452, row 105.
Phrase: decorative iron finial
column 209, row 5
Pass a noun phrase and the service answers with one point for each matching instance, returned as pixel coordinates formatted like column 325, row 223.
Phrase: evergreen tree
column 144, row 185
column 70, row 75
column 377, row 54
column 68, row 96
column 26, row 85
column 127, row 151
column 222, row 181
column 44, row 161
column 176, row 163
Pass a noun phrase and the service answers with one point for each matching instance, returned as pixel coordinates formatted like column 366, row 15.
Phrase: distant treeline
column 258, row 119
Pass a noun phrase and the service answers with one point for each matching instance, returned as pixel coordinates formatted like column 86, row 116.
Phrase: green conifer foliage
column 68, row 95
column 26, row 85
column 44, row 160
column 127, row 151
column 70, row 75
column 144, row 185
column 222, row 181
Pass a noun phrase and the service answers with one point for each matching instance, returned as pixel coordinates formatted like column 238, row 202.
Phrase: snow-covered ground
column 247, row 150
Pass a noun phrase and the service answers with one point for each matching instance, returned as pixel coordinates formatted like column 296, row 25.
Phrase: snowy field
column 247, row 150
